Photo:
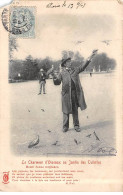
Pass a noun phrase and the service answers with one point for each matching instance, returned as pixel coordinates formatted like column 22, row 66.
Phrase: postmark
column 5, row 19
column 19, row 21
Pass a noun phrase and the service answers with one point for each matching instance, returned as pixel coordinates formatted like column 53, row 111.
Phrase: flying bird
column 95, row 51
column 107, row 42
column 78, row 42
column 34, row 142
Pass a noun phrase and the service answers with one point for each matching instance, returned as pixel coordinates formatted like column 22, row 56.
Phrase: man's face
column 68, row 64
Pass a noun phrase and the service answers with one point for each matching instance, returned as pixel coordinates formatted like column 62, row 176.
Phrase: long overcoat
column 65, row 77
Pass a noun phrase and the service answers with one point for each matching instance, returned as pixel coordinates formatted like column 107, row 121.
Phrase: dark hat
column 64, row 61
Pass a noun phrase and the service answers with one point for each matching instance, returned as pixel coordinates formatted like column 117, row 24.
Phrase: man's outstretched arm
column 82, row 68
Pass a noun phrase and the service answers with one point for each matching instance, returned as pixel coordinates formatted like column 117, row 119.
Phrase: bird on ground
column 34, row 142
column 55, row 143
column 43, row 110
column 76, row 141
column 88, row 136
column 97, row 138
column 49, row 131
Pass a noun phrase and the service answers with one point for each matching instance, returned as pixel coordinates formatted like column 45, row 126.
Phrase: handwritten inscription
column 107, row 150
column 66, row 5
column 92, row 147
column 104, row 150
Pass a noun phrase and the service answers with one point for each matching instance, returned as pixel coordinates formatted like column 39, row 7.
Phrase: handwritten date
column 66, row 5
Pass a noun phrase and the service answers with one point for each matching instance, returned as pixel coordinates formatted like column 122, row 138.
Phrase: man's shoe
column 39, row 94
column 65, row 129
column 77, row 129
column 44, row 93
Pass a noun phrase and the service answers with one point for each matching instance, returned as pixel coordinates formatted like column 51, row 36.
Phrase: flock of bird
column 107, row 42
column 37, row 140
column 56, row 143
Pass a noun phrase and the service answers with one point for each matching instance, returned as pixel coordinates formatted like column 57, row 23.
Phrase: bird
column 96, row 136
column 49, row 131
column 95, row 51
column 107, row 42
column 76, row 141
column 28, row 110
column 88, row 135
column 55, row 143
column 79, row 42
column 43, row 110
column 34, row 142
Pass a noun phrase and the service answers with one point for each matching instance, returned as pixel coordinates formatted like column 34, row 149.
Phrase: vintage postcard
column 61, row 96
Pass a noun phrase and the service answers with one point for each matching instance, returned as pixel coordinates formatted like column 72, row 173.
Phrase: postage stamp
column 19, row 21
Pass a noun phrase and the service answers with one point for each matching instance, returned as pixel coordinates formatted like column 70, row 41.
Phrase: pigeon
column 95, row 51
column 34, row 142
column 79, row 42
column 76, row 141
column 42, row 110
column 96, row 136
column 49, row 131
column 55, row 143
column 88, row 135
column 107, row 42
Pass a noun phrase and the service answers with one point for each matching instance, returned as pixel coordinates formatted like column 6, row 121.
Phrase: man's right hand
column 93, row 54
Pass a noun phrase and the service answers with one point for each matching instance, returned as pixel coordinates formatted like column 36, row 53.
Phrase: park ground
column 35, row 115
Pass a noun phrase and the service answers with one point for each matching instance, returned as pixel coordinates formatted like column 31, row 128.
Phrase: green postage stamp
column 20, row 21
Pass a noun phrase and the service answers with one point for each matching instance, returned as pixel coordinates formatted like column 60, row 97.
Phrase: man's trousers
column 74, row 112
column 42, row 85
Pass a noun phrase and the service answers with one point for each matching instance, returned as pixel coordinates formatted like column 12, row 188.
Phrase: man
column 72, row 92
column 42, row 81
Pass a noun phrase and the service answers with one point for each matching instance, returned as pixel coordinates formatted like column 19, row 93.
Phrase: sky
column 65, row 32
